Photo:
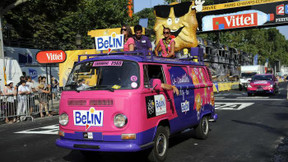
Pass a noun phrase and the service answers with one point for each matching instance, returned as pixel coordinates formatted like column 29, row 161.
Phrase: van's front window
column 104, row 75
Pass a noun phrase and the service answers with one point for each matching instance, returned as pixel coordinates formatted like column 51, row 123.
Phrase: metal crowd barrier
column 22, row 107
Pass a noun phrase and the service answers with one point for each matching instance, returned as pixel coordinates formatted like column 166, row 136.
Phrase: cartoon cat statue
column 180, row 18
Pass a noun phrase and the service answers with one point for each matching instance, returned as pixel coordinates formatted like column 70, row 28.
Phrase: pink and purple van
column 115, row 103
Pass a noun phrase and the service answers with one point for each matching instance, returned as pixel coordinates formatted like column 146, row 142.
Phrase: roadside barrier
column 22, row 107
column 225, row 86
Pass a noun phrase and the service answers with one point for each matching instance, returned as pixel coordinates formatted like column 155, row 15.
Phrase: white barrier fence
column 20, row 107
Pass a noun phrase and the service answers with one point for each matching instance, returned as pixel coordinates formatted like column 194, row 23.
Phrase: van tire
column 202, row 129
column 161, row 144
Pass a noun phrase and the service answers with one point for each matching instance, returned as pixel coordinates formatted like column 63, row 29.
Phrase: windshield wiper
column 73, row 86
column 103, row 86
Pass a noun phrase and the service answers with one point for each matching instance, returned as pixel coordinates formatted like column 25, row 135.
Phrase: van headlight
column 271, row 85
column 120, row 120
column 249, row 86
column 63, row 119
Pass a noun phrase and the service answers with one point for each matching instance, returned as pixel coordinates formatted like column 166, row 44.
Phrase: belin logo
column 110, row 42
column 88, row 118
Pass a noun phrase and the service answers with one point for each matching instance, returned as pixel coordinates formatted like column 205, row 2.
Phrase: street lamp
column 78, row 40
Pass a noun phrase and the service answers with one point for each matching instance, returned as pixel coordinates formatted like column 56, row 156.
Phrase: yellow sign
column 237, row 4
column 66, row 67
column 108, row 32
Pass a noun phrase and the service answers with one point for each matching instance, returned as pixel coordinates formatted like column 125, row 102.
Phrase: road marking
column 51, row 129
column 232, row 105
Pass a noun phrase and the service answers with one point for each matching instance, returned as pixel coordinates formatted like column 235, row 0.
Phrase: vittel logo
column 233, row 21
column 240, row 19
column 54, row 56
column 46, row 57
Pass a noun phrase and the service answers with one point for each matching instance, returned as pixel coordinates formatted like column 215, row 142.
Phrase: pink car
column 263, row 83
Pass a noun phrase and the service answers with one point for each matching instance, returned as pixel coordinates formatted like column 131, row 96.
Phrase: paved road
column 248, row 129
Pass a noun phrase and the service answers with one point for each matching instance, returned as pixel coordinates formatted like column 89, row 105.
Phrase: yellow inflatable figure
column 180, row 18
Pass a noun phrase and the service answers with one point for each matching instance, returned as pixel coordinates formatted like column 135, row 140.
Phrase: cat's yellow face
column 180, row 18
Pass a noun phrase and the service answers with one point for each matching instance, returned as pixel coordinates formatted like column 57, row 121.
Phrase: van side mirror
column 156, row 84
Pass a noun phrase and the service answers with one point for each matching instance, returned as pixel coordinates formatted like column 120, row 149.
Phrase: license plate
column 88, row 135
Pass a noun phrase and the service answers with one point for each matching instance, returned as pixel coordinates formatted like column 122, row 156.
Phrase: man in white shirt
column 23, row 91
column 31, row 98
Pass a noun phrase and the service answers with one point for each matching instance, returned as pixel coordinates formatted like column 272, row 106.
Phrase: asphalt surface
column 248, row 129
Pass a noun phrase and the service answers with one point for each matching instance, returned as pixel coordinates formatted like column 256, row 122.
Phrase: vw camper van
column 115, row 103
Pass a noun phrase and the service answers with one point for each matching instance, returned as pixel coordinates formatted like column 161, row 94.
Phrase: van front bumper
column 125, row 146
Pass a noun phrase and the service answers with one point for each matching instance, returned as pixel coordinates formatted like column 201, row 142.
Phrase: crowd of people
column 19, row 100
column 164, row 48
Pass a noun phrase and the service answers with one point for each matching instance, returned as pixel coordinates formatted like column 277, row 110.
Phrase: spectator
column 9, row 105
column 166, row 45
column 54, row 86
column 32, row 90
column 128, row 38
column 43, row 99
column 141, row 41
column 170, row 87
column 23, row 91
column 167, row 87
column 19, row 83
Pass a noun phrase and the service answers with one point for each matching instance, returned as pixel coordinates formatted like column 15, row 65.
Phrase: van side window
column 153, row 72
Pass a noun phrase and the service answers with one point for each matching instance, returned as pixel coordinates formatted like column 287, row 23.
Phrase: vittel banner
column 261, row 15
column 51, row 57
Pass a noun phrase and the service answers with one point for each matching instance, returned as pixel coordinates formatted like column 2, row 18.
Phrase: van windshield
column 104, row 75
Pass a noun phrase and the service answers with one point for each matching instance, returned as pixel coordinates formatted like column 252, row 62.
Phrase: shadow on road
column 265, row 127
column 75, row 156
column 281, row 116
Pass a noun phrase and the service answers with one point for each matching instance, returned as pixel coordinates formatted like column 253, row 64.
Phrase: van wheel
column 161, row 143
column 202, row 129
column 249, row 94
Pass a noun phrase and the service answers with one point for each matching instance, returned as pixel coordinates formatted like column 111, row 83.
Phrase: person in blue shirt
column 141, row 41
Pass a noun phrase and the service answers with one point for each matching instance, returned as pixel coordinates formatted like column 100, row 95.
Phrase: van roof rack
column 195, row 54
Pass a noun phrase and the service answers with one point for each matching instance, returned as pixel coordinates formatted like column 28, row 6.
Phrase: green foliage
column 147, row 13
column 268, row 43
column 54, row 24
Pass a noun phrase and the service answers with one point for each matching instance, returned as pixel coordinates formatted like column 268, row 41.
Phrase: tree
column 53, row 24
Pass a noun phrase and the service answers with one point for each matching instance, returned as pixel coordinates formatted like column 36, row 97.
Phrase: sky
column 141, row 4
